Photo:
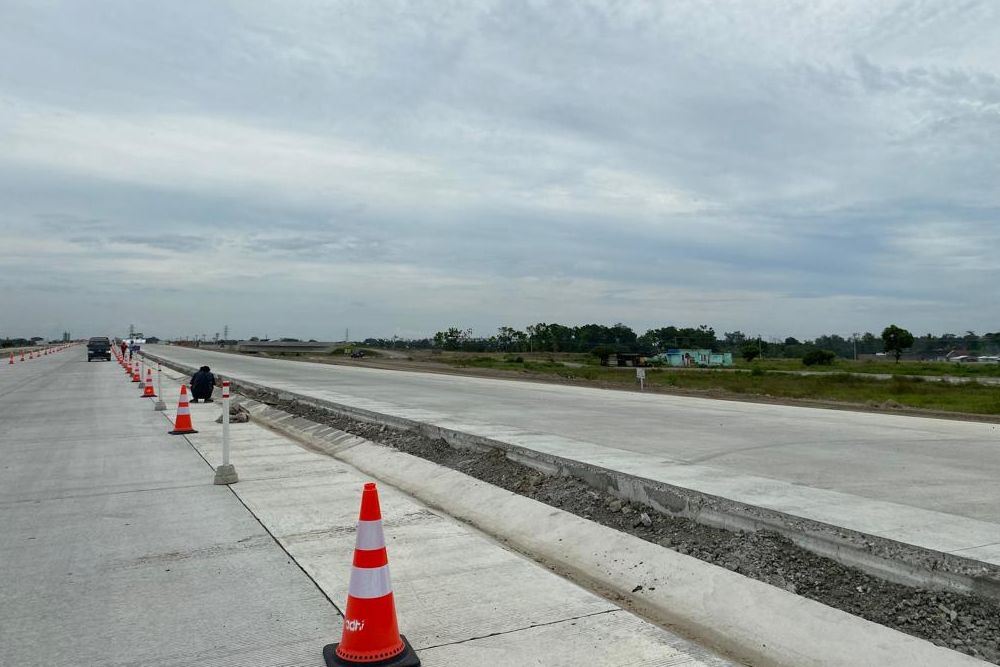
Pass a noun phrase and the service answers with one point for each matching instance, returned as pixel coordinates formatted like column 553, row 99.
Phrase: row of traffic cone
column 133, row 369
column 370, row 635
column 32, row 354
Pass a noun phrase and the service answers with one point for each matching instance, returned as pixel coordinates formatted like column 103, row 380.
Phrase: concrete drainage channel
column 796, row 555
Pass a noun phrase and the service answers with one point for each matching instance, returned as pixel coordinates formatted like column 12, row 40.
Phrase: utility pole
column 347, row 335
column 225, row 332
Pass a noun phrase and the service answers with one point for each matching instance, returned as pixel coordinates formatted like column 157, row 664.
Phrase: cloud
column 796, row 167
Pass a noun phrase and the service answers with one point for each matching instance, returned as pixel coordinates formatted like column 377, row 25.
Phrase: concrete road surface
column 931, row 482
column 117, row 549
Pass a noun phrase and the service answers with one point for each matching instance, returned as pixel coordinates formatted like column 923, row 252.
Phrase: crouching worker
column 202, row 384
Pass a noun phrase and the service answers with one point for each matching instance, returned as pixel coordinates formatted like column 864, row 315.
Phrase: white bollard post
column 159, row 406
column 225, row 422
column 225, row 473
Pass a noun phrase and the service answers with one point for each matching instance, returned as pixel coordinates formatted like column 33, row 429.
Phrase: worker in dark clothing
column 202, row 384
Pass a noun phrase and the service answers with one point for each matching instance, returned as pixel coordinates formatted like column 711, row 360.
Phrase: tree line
column 620, row 338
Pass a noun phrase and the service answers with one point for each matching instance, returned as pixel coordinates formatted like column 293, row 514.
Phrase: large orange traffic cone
column 371, row 634
column 182, row 423
column 147, row 388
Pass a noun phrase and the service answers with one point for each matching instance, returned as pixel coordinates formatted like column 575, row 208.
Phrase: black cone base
column 408, row 658
column 175, row 432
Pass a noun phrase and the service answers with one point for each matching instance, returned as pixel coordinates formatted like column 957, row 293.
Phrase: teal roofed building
column 695, row 358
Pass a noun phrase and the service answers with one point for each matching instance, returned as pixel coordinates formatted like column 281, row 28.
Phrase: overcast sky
column 297, row 168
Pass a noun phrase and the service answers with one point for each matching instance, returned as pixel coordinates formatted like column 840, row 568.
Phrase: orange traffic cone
column 22, row 355
column 182, row 423
column 135, row 373
column 147, row 388
column 371, row 634
column 11, row 362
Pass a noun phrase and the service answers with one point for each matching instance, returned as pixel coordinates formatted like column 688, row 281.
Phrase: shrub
column 757, row 371
column 819, row 358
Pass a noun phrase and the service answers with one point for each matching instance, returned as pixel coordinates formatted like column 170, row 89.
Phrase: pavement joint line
column 261, row 523
column 22, row 387
column 19, row 501
column 978, row 546
column 268, row 530
column 527, row 627
column 317, row 473
column 292, row 558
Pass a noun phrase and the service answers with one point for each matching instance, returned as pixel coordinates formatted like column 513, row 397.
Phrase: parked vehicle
column 99, row 347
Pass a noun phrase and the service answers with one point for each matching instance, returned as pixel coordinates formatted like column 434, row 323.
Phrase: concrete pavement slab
column 116, row 549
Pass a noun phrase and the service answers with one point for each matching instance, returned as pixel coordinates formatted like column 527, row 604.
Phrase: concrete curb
column 744, row 618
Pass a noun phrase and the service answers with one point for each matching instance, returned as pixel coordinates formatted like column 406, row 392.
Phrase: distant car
column 99, row 347
column 358, row 354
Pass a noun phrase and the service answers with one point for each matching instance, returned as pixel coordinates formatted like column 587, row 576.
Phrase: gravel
column 965, row 623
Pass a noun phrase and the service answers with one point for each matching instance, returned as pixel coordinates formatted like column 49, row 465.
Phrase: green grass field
column 832, row 386
column 883, row 367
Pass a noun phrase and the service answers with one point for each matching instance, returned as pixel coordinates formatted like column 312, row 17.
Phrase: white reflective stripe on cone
column 369, row 582
column 370, row 536
column 183, row 410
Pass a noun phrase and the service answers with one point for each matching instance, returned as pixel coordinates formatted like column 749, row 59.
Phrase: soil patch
column 964, row 623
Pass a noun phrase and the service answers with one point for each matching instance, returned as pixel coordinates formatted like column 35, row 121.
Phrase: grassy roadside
column 878, row 367
column 834, row 386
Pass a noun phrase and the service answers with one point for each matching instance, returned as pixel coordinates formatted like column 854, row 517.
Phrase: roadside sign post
column 640, row 374
column 225, row 473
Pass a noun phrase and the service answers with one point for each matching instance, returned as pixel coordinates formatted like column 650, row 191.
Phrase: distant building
column 695, row 358
column 624, row 359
